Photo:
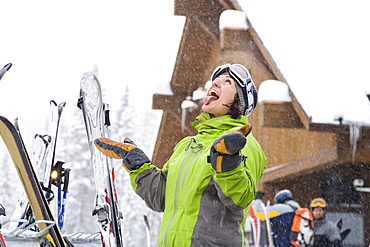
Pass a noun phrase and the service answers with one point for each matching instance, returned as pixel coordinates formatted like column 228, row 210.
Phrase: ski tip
column 16, row 123
column 8, row 66
column 53, row 102
column 80, row 102
column 5, row 69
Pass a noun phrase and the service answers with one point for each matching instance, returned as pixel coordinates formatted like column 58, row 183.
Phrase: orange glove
column 132, row 156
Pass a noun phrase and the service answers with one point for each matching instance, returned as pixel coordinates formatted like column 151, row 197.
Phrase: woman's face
column 220, row 96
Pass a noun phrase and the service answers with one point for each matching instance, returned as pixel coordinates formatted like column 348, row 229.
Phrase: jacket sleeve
column 237, row 188
column 333, row 234
column 149, row 182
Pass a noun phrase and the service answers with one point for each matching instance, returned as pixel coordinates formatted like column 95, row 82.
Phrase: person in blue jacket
column 281, row 217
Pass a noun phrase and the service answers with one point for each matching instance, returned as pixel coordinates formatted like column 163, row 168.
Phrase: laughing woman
column 206, row 186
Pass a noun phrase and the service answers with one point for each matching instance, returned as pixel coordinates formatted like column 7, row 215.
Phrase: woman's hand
column 225, row 150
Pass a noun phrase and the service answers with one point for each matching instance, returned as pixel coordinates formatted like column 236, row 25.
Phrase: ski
column 117, row 215
column 22, row 209
column 268, row 226
column 62, row 200
column 2, row 240
column 257, row 220
column 255, row 223
column 39, row 153
column 147, row 228
column 40, row 208
column 5, row 69
column 60, row 176
column 105, row 207
column 56, row 112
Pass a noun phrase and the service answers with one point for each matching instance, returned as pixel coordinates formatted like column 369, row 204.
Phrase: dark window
column 340, row 192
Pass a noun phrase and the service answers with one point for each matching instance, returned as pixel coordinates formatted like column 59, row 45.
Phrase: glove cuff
column 134, row 159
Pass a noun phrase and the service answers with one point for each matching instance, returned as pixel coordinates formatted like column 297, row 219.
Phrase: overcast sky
column 52, row 44
column 321, row 47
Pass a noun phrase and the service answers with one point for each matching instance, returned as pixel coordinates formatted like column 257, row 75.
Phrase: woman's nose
column 216, row 82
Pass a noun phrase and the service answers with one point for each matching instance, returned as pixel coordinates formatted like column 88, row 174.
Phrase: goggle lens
column 241, row 74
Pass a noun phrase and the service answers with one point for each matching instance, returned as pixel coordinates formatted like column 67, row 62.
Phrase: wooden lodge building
column 311, row 159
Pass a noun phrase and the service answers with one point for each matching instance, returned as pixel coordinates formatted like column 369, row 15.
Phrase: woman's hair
column 234, row 110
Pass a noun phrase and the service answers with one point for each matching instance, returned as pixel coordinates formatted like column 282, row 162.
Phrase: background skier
column 326, row 233
column 281, row 217
column 205, row 187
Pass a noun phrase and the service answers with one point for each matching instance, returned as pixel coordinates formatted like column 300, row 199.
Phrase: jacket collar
column 205, row 124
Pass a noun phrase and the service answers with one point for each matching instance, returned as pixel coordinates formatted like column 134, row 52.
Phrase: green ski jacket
column 202, row 207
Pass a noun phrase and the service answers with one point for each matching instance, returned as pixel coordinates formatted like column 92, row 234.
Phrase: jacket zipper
column 178, row 181
column 195, row 150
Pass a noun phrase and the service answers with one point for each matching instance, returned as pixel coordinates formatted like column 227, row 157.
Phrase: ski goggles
column 236, row 71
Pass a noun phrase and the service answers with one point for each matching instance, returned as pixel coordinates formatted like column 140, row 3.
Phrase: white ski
column 105, row 207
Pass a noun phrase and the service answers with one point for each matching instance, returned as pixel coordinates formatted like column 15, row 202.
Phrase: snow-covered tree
column 131, row 124
column 11, row 186
column 74, row 151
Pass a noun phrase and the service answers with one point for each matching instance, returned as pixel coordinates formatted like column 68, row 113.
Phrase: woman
column 206, row 186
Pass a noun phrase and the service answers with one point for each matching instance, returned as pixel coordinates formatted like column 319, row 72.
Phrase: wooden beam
column 298, row 167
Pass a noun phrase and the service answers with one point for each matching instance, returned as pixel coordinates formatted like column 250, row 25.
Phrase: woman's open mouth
column 212, row 96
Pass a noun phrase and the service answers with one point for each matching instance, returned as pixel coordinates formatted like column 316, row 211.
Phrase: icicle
column 354, row 132
column 183, row 117
column 186, row 105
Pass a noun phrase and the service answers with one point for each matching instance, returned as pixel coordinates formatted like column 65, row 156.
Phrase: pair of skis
column 23, row 211
column 43, row 157
column 54, row 173
column 40, row 208
column 260, row 223
column 49, row 233
column 96, row 120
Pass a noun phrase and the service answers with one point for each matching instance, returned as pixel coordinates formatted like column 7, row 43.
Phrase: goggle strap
column 242, row 106
column 220, row 70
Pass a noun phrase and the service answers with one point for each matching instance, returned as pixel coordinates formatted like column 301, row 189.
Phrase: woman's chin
column 214, row 111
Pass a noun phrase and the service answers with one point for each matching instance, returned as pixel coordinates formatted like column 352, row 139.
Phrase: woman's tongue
column 209, row 99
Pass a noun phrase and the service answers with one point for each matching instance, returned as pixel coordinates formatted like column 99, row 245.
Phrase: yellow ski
column 31, row 185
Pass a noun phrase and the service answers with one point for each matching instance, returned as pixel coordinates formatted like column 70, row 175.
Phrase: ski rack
column 21, row 233
column 84, row 237
column 26, row 232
